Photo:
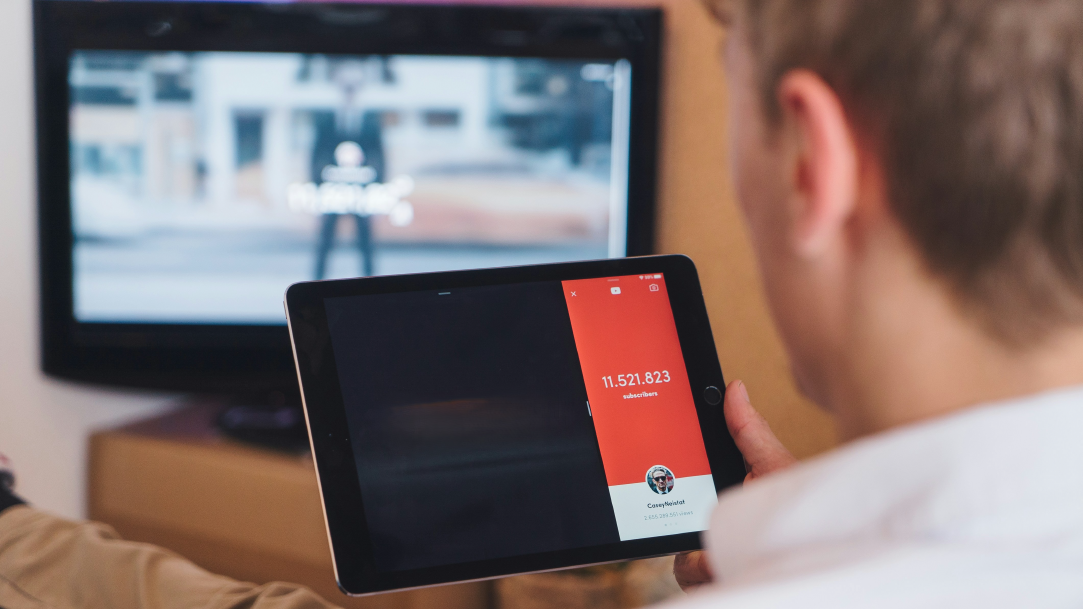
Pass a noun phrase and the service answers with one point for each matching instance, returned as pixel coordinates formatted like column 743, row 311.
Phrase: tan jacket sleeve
column 46, row 561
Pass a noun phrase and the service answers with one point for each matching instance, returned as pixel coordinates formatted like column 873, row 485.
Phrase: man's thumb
column 762, row 451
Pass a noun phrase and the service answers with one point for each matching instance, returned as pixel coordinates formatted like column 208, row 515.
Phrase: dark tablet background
column 491, row 452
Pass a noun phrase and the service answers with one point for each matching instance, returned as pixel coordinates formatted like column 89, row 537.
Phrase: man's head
column 890, row 153
column 659, row 478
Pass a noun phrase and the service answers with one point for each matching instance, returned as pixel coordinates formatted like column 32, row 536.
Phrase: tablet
column 477, row 424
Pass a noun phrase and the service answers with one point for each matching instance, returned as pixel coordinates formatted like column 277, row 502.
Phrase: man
column 364, row 129
column 660, row 480
column 911, row 172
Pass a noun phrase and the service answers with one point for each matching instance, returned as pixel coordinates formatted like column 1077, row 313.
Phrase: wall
column 699, row 217
column 44, row 423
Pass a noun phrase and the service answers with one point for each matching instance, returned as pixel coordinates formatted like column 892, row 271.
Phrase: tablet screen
column 498, row 421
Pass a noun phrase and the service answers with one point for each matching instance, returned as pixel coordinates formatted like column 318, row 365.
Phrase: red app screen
column 641, row 402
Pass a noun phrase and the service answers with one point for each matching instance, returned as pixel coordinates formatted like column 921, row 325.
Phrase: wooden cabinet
column 240, row 511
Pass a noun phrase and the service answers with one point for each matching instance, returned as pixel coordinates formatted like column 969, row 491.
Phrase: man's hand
column 763, row 454
column 762, row 451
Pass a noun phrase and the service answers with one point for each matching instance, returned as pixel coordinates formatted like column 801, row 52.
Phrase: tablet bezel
column 351, row 548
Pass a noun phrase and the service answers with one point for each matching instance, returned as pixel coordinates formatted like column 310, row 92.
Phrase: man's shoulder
column 1000, row 477
column 907, row 574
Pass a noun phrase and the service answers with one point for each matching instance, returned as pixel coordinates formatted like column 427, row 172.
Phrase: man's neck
column 913, row 353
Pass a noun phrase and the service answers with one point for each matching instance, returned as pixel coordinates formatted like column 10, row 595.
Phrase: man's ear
column 824, row 169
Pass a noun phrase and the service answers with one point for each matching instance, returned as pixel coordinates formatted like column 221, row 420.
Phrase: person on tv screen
column 345, row 140
column 911, row 175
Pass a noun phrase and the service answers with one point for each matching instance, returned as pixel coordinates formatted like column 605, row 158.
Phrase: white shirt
column 982, row 508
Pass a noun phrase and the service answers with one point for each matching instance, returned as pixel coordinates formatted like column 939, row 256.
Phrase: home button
column 712, row 395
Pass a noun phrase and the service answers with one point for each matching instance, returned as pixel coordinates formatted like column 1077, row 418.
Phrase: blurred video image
column 203, row 184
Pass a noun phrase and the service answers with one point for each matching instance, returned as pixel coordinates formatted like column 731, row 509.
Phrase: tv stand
column 269, row 419
column 245, row 512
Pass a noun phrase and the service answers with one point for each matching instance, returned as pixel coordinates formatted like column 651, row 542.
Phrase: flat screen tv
column 196, row 158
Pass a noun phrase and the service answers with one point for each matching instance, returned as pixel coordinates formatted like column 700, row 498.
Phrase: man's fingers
column 762, row 451
column 763, row 454
column 691, row 569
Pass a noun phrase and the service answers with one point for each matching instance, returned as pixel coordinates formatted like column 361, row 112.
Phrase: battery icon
column 657, row 276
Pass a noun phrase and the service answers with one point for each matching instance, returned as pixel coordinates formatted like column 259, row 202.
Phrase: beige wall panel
column 698, row 217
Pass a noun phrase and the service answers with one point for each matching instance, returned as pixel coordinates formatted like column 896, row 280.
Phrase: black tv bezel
column 356, row 570
column 243, row 358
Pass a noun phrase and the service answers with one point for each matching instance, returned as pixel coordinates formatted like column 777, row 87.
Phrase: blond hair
column 977, row 107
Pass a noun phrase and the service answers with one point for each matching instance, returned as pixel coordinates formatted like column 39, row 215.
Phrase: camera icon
column 654, row 287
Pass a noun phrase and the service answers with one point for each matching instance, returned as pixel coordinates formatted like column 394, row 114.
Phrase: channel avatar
column 660, row 479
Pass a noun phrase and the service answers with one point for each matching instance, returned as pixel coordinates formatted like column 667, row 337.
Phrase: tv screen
column 197, row 158
column 205, row 183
